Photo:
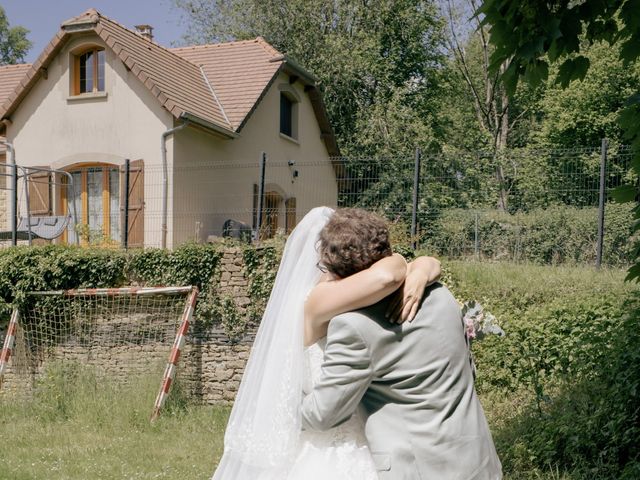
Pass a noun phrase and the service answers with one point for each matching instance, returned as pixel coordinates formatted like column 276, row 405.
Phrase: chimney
column 146, row 31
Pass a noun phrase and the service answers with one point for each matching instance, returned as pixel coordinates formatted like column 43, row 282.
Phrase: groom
column 414, row 380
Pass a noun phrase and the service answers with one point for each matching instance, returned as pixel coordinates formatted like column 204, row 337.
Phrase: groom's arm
column 346, row 375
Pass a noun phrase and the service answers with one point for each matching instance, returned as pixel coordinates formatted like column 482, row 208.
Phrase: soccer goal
column 121, row 332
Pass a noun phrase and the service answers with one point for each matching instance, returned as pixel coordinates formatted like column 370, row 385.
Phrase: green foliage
column 261, row 268
column 14, row 44
column 553, row 235
column 24, row 269
column 523, row 33
column 80, row 425
column 564, row 378
column 584, row 112
column 190, row 264
column 53, row 267
column 233, row 323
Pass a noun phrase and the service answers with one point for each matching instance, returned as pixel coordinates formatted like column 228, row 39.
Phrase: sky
column 43, row 18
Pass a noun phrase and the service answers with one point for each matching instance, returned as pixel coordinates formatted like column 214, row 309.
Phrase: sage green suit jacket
column 415, row 382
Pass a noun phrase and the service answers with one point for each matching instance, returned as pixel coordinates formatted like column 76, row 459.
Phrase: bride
column 263, row 439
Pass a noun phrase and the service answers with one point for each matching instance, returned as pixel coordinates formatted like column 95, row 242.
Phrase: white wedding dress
column 340, row 453
column 263, row 439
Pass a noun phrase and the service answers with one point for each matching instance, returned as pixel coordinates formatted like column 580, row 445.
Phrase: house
column 191, row 123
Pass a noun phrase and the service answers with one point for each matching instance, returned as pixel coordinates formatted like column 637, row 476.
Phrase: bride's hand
column 421, row 273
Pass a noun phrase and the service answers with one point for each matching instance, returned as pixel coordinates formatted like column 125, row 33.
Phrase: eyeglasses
column 322, row 268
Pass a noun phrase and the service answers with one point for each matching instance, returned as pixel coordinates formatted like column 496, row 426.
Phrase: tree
column 587, row 110
column 376, row 60
column 531, row 35
column 14, row 44
column 497, row 116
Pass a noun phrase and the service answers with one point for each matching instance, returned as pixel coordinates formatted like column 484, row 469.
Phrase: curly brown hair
column 352, row 240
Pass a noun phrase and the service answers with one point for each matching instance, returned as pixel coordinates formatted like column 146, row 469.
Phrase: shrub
column 55, row 267
column 555, row 235
column 564, row 380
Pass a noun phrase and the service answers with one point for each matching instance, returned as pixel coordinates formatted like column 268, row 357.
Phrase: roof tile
column 220, row 83
column 238, row 72
column 10, row 78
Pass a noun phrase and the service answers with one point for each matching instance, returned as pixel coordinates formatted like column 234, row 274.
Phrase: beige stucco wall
column 4, row 195
column 214, row 178
column 51, row 128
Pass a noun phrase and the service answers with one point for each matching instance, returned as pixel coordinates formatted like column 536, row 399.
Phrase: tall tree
column 14, row 44
column 376, row 60
column 497, row 115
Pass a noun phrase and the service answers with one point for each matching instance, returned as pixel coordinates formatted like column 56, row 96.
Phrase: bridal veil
column 264, row 427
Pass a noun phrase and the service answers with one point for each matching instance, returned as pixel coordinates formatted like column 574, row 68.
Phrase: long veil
column 264, row 427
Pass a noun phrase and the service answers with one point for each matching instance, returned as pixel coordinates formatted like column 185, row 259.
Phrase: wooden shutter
column 39, row 184
column 290, row 217
column 135, row 224
column 4, row 171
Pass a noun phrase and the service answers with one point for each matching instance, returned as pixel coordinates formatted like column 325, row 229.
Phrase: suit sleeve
column 346, row 375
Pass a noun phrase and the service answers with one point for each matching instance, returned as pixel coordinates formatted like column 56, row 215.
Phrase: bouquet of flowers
column 479, row 323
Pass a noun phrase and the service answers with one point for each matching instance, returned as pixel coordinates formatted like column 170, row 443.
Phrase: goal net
column 123, row 333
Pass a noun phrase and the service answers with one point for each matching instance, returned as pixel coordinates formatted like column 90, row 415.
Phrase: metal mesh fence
column 526, row 204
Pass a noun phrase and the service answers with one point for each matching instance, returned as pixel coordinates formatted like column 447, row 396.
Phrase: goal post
column 119, row 331
column 9, row 342
column 174, row 356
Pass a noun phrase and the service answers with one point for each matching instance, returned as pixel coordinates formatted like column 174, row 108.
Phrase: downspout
column 165, row 178
column 14, row 193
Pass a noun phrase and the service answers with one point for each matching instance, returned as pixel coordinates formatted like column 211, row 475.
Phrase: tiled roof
column 237, row 71
column 179, row 85
column 219, row 84
column 10, row 76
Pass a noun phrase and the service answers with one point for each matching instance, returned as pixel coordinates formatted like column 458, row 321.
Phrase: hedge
column 54, row 267
column 553, row 235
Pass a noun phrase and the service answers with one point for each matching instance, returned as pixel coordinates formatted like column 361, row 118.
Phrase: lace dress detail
column 340, row 453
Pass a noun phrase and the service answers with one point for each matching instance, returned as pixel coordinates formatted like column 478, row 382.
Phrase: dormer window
column 288, row 115
column 89, row 71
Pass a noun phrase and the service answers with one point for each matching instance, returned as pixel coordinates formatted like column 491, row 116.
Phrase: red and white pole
column 178, row 343
column 9, row 342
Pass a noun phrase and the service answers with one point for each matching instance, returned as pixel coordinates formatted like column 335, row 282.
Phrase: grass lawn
column 79, row 428
column 96, row 431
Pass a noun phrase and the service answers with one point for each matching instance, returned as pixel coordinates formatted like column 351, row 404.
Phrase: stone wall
column 233, row 279
column 210, row 368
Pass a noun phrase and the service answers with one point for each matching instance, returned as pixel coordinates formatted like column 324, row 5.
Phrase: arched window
column 89, row 71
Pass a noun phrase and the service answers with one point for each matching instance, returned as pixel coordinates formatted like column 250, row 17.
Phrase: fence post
column 14, row 202
column 125, row 221
column 476, row 241
column 263, row 163
column 416, row 192
column 603, row 170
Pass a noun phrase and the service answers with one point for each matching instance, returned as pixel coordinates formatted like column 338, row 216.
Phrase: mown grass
column 79, row 427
